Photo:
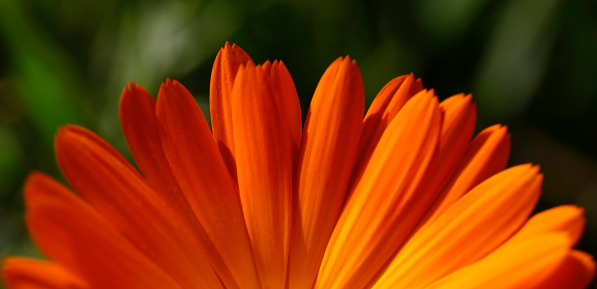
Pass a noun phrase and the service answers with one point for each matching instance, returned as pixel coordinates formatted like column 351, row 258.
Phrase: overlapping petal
column 25, row 273
column 328, row 150
column 267, row 125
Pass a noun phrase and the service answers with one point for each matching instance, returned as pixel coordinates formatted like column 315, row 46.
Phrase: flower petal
column 485, row 156
column 392, row 97
column 328, row 148
column 123, row 198
column 78, row 238
column 523, row 266
column 567, row 219
column 202, row 175
column 576, row 272
column 384, row 197
column 266, row 118
column 139, row 124
column 473, row 227
column 227, row 63
column 25, row 273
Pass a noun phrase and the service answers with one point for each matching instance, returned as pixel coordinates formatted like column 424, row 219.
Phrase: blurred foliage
column 530, row 64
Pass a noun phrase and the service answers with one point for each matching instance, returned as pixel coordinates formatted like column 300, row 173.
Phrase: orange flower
column 400, row 199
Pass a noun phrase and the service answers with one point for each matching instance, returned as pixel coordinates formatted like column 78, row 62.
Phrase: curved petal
column 266, row 118
column 123, row 198
column 25, row 273
column 78, row 238
column 576, row 272
column 473, row 227
column 523, row 266
column 139, row 124
column 485, row 156
column 227, row 63
column 384, row 197
column 203, row 177
column 390, row 99
column 328, row 148
column 568, row 219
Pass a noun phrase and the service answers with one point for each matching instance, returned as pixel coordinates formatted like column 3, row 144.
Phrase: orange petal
column 485, row 156
column 25, row 273
column 229, row 59
column 523, row 266
column 567, row 219
column 383, row 109
column 123, row 198
column 139, row 124
column 368, row 233
column 78, row 238
column 325, row 162
column 202, row 175
column 473, row 227
column 576, row 272
column 266, row 118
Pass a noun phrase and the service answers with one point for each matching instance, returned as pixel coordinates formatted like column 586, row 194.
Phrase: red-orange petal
column 25, row 273
column 77, row 237
column 368, row 231
column 328, row 148
column 467, row 231
column 228, row 61
column 140, row 127
column 123, row 197
column 266, row 118
column 203, row 177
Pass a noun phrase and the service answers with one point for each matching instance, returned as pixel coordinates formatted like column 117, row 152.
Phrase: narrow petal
column 383, row 109
column 384, row 197
column 523, row 266
column 327, row 153
column 139, row 124
column 229, row 59
column 78, row 238
column 266, row 118
column 202, row 175
column 123, row 198
column 25, row 273
column 485, row 156
column 473, row 227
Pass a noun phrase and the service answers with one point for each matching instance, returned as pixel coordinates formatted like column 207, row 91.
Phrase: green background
column 530, row 65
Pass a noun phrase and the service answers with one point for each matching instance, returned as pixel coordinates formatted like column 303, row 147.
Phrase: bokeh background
column 530, row 64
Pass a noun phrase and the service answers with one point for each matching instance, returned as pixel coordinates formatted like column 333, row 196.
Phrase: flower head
column 400, row 199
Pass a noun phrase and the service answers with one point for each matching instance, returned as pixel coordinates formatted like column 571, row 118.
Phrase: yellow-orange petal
column 327, row 153
column 568, row 219
column 77, row 237
column 576, row 272
column 26, row 273
column 485, row 156
column 202, row 175
column 139, row 124
column 523, row 266
column 124, row 199
column 390, row 99
column 471, row 228
column 367, row 233
column 228, row 61
column 266, row 118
